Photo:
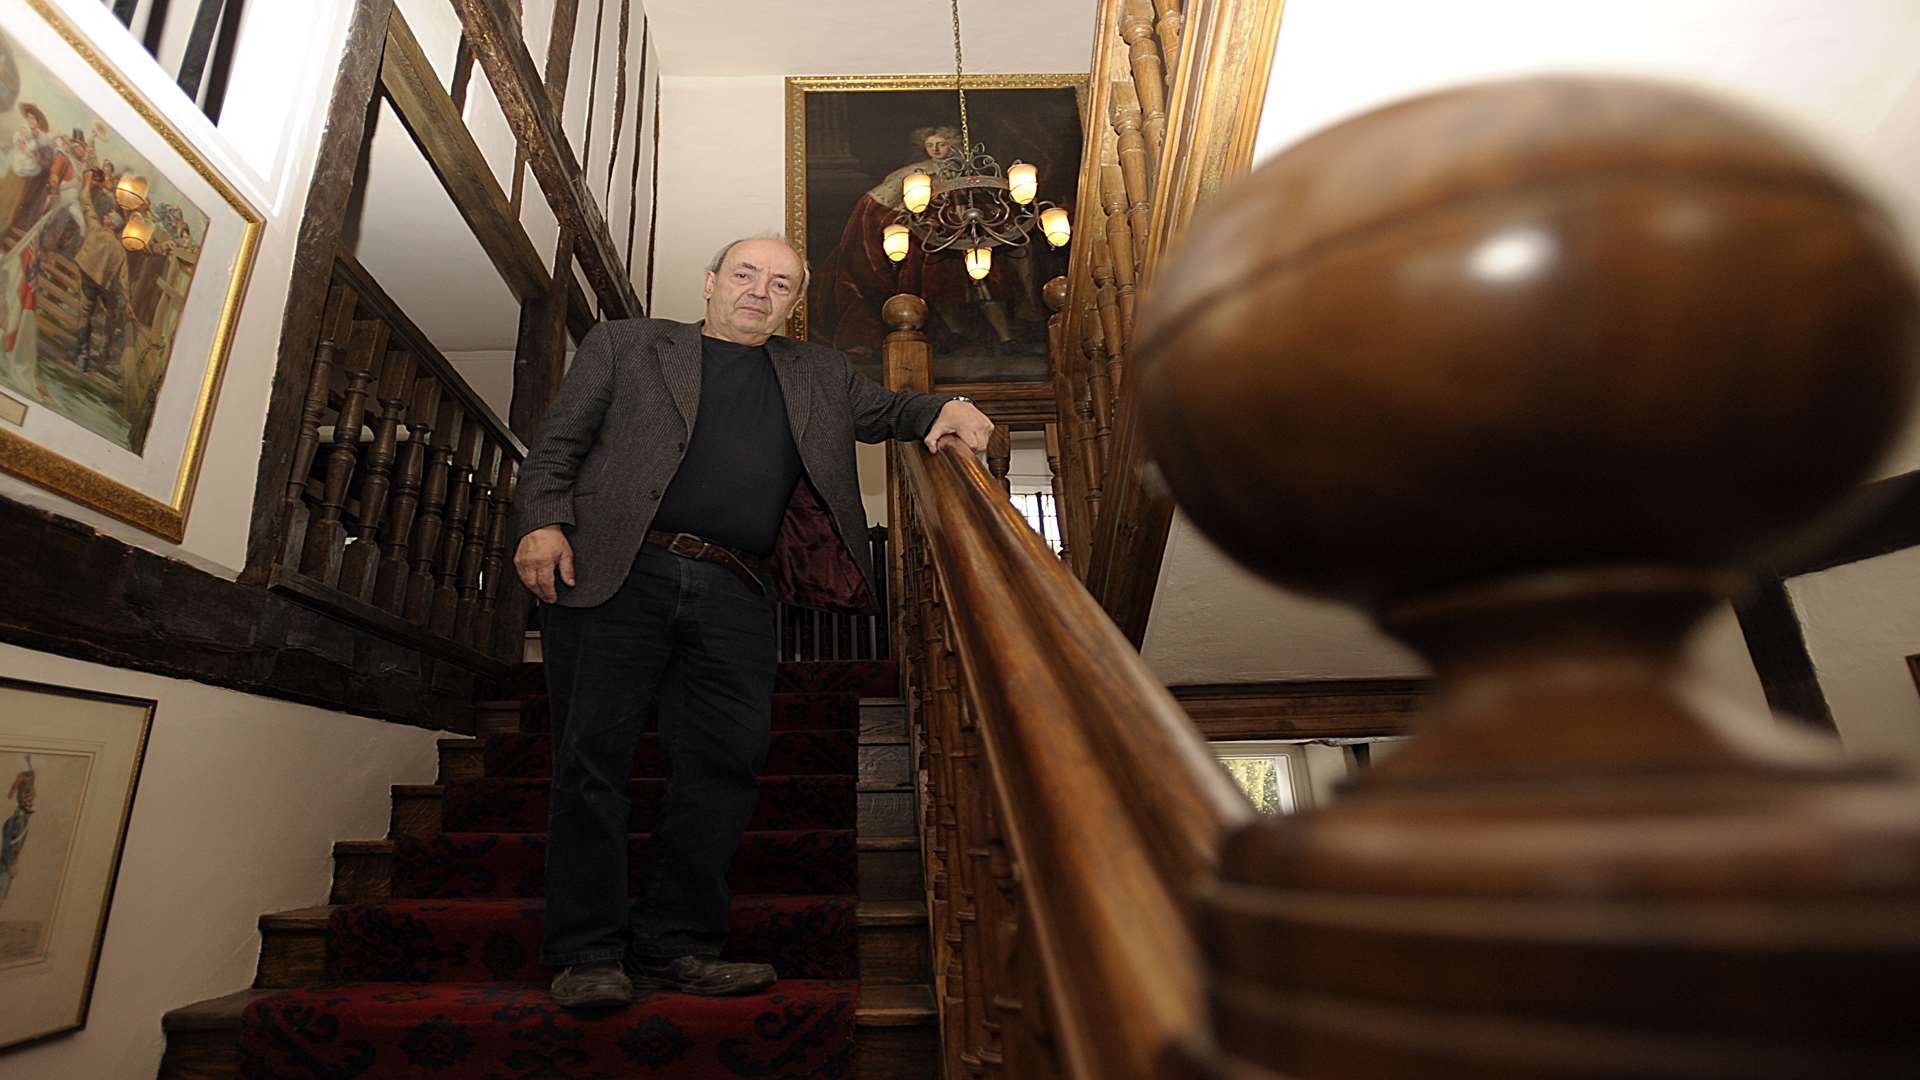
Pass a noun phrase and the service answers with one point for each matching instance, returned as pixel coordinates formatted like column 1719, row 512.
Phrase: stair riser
column 897, row 1053
column 882, row 875
column 514, row 865
column 791, row 712
column 894, row 954
column 520, row 806
column 291, row 957
column 790, row 753
column 875, row 764
column 884, row 765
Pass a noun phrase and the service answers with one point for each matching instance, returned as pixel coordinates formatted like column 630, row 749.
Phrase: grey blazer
column 614, row 436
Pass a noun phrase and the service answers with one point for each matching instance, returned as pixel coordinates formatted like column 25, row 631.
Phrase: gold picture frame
column 800, row 88
column 120, row 428
column 71, row 761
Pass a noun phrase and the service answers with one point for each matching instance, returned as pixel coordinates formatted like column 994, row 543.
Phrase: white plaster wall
column 1846, row 73
column 239, row 803
column 1861, row 622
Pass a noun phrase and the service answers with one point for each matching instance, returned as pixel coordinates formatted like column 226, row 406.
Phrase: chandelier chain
column 959, row 83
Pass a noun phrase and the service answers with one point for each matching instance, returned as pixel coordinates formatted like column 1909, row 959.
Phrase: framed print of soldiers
column 687, row 476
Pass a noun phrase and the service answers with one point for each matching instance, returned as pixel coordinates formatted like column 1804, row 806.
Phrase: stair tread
column 891, row 913
column 214, row 1014
column 864, row 843
column 880, row 1005
column 299, row 918
column 895, row 1005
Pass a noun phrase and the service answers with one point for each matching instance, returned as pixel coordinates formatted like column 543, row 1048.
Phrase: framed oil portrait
column 70, row 760
column 850, row 140
column 123, row 259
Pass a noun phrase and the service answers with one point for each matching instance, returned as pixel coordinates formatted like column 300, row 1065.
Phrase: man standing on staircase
column 686, row 477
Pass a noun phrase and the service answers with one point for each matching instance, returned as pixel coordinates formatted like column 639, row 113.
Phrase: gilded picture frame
column 71, row 760
column 110, row 360
column 848, row 135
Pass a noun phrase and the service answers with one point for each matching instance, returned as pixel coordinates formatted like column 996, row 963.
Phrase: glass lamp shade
column 916, row 191
column 1057, row 224
column 894, row 239
column 137, row 232
column 1023, row 182
column 979, row 262
column 131, row 192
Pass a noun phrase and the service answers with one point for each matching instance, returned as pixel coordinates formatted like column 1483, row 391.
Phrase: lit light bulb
column 979, row 262
column 136, row 234
column 1023, row 182
column 131, row 192
column 894, row 239
column 1055, row 222
column 916, row 191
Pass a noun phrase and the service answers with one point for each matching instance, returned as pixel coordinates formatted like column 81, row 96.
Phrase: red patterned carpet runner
column 443, row 981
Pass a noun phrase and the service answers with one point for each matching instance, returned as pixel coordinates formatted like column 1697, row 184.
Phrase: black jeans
column 690, row 643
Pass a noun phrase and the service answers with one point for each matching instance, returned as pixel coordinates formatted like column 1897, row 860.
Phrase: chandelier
column 967, row 203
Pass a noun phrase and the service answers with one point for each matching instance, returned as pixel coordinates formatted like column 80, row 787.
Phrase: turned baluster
column 1105, row 297
column 1135, row 171
column 335, row 326
column 974, row 884
column 1003, row 905
column 1169, row 29
column 1119, row 235
column 326, row 536
column 390, row 591
column 360, row 565
column 1059, row 480
column 446, row 593
column 1540, row 428
column 474, row 553
column 1000, row 457
column 1149, row 75
column 1095, row 458
column 1093, row 347
column 486, row 636
column 433, row 505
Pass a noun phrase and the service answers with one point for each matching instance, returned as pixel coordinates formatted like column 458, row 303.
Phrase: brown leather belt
column 751, row 568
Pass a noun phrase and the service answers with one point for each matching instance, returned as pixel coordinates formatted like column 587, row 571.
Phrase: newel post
column 1534, row 372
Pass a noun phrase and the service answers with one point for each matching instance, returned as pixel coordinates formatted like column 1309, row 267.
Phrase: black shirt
column 741, row 464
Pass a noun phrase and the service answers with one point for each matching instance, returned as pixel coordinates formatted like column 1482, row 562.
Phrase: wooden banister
column 1072, row 805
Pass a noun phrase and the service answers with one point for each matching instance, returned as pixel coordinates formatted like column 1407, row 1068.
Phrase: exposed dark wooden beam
column 193, row 62
column 1885, row 519
column 434, row 121
column 1304, row 709
column 619, row 111
column 1008, row 402
column 462, row 74
column 639, row 125
column 321, row 222
column 1778, row 647
column 74, row 592
column 653, row 216
column 502, row 53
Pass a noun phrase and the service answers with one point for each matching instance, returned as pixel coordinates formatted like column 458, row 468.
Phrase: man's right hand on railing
column 540, row 554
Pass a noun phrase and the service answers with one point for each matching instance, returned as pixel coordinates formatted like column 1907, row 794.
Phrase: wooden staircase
column 896, row 1031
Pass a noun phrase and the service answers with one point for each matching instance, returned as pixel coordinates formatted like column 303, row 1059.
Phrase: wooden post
column 326, row 536
column 360, row 565
column 446, row 593
column 390, row 592
column 1000, row 457
column 433, row 504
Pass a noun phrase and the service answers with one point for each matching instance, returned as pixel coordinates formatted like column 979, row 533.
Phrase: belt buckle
column 693, row 548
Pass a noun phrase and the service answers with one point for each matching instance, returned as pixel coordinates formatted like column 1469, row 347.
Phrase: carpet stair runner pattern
column 426, row 963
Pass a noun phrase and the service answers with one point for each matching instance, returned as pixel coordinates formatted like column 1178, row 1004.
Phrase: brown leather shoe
column 592, row 986
column 702, row 975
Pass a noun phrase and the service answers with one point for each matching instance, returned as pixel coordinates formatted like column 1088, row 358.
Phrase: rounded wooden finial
column 904, row 311
column 1054, row 292
column 1525, row 325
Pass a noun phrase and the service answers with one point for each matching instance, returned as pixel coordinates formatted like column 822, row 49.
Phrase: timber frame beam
column 495, row 38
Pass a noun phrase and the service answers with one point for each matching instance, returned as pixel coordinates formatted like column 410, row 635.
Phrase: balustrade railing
column 397, row 515
column 1069, row 806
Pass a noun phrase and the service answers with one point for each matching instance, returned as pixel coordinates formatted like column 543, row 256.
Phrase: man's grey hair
column 720, row 257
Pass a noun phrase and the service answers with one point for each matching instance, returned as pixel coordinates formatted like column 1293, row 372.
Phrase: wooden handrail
column 1105, row 794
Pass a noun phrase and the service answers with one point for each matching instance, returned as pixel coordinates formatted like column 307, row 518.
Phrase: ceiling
column 860, row 37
